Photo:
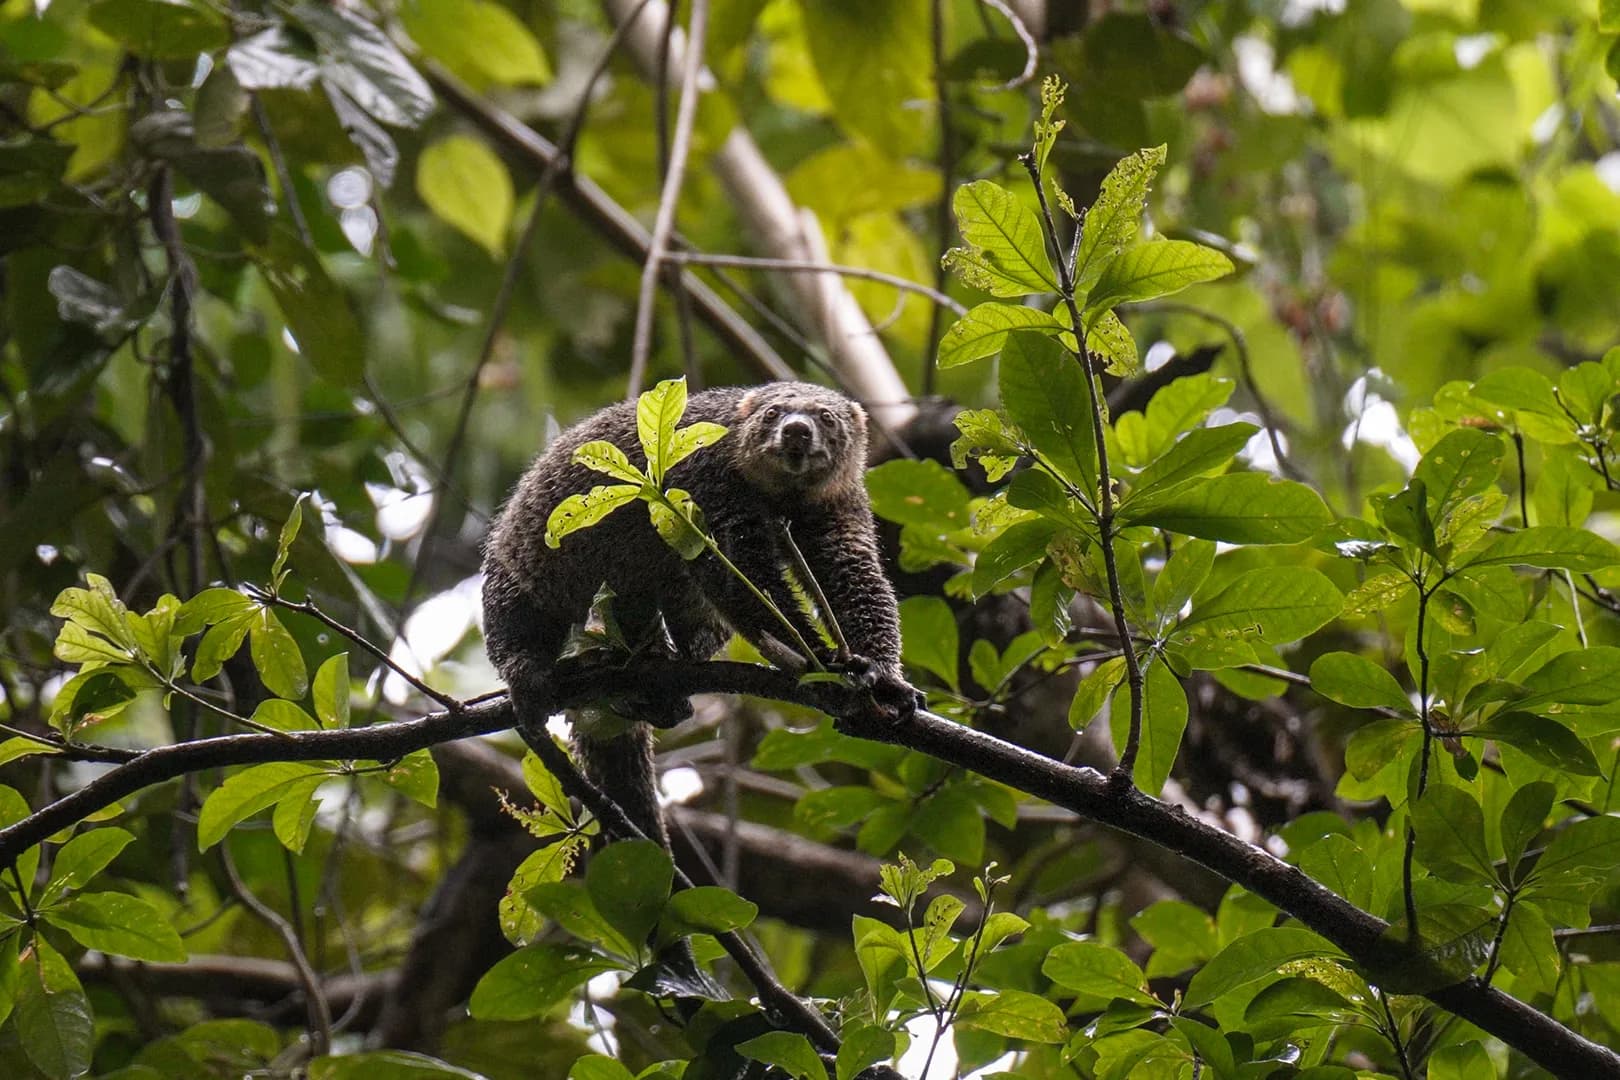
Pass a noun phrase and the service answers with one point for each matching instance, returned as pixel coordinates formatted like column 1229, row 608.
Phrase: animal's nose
column 797, row 433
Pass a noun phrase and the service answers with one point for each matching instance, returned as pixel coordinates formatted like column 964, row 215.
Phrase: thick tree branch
column 1084, row 791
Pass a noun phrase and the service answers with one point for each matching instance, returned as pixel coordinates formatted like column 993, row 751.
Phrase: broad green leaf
column 708, row 909
column 1096, row 974
column 363, row 62
column 119, row 924
column 658, row 414
column 387, row 1065
column 987, row 439
column 11, row 974
column 1164, row 720
column 161, row 29
column 1182, row 406
column 1522, row 820
column 283, row 715
column 1451, row 834
column 1009, row 247
column 1251, row 957
column 1453, row 940
column 928, row 630
column 520, row 922
column 1154, row 269
column 679, row 523
column 1463, row 463
column 1550, row 547
column 1358, row 682
column 467, row 185
column 1110, row 339
column 692, row 438
column 1464, row 1061
column 983, row 331
column 481, row 41
column 269, row 60
column 1588, row 676
column 245, row 794
column 1543, row 739
column 331, row 691
column 788, row 1051
column 13, row 808
column 276, row 656
column 837, row 807
column 1339, row 863
column 209, row 607
column 1530, row 949
column 604, row 457
column 533, row 980
column 316, row 309
column 924, row 494
column 91, row 697
column 1378, row 593
column 568, row 903
column 873, row 61
column 1375, row 745
column 1116, row 217
column 582, row 511
column 52, row 1014
column 1181, row 935
column 1015, row 1014
column 415, row 776
column 1021, row 544
column 1182, row 574
column 82, row 858
column 294, row 814
column 629, row 883
column 1199, row 451
column 1043, row 389
column 96, row 609
column 284, row 542
column 1276, row 605
column 1406, row 515
column 1239, row 508
column 1095, row 689
column 863, row 1045
column 599, row 1068
column 1298, row 996
column 76, row 645
column 1585, row 849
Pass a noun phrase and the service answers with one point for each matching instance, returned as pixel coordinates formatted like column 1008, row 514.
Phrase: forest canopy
column 1244, row 382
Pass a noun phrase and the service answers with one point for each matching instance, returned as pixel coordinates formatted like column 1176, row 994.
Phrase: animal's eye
column 772, row 413
column 826, row 416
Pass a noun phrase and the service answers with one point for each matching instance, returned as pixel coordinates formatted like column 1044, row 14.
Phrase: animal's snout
column 797, row 434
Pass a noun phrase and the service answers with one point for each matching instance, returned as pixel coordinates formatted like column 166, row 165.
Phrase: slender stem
column 304, row 607
column 1393, row 1033
column 22, row 894
column 235, row 718
column 947, row 166
column 802, row 565
column 781, row 616
column 804, row 266
column 320, row 1013
column 1524, row 508
column 1495, row 957
column 664, row 222
column 1423, row 764
column 1105, row 507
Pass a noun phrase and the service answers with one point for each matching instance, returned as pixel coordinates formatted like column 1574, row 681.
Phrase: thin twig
column 802, row 565
column 1032, row 51
column 943, row 219
column 320, row 1014
column 664, row 221
column 750, row 262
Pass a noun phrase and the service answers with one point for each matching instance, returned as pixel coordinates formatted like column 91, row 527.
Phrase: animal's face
column 801, row 437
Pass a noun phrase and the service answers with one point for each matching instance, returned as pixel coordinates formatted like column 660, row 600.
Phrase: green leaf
column 1275, row 605
column 533, row 980
column 277, row 657
column 788, row 1051
column 119, row 924
column 983, row 331
column 482, row 42
column 1464, row 463
column 863, row 1045
column 161, row 29
column 289, row 533
column 1015, row 1014
column 1021, row 544
column 1406, row 514
column 708, row 909
column 1181, row 936
column 361, row 61
column 246, row 793
column 1097, row 974
column 1044, row 391
column 582, row 511
column 1542, row 739
column 873, row 62
column 692, row 438
column 1110, row 339
column 923, row 494
column 658, row 414
column 987, row 439
column 1453, row 940
column 1375, row 745
column 606, row 458
column 283, row 715
column 416, row 777
column 599, row 1068
column 294, row 814
column 1157, row 268
column 82, row 858
column 568, row 903
column 1095, row 689
column 52, row 1014
column 1550, row 547
column 1587, row 849
column 1115, row 218
column 1588, row 676
column 1008, row 256
column 387, row 1065
column 679, row 523
column 629, row 883
column 1522, row 820
column 21, row 746
column 1164, row 720
column 465, row 184
column 331, row 691
column 1451, row 834
column 1200, row 451
column 1358, row 682
column 14, row 808
column 1239, row 508
column 1464, row 1061
column 96, row 609
column 316, row 309
column 1253, row 956
column 1298, row 996
column 928, row 630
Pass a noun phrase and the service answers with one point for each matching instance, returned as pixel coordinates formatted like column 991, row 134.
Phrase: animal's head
column 799, row 437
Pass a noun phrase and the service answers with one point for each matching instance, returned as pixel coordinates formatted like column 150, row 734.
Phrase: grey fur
column 794, row 453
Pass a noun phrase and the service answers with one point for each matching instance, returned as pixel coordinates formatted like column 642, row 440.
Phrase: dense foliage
column 1311, row 568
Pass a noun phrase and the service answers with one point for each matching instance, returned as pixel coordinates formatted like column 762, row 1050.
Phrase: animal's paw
column 895, row 698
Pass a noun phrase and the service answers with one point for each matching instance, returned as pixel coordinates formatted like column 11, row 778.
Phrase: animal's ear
column 749, row 403
column 857, row 417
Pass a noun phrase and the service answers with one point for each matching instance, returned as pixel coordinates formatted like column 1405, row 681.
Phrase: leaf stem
column 1105, row 507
